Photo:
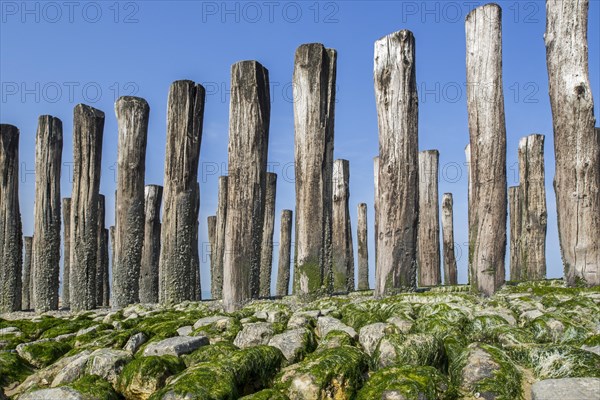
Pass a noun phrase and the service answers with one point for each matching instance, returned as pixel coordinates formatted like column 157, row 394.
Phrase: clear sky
column 54, row 55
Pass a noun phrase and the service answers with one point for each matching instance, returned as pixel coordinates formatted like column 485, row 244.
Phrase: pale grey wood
column 515, row 225
column 397, row 111
column 363, row 248
column 105, row 271
column 450, row 268
column 217, row 274
column 248, row 146
column 342, row 250
column 88, row 129
column 576, row 142
column 185, row 114
column 27, row 287
column 66, row 212
column 151, row 247
column 285, row 253
column 314, row 108
column 132, row 118
column 487, row 132
column 211, row 222
column 11, row 236
column 469, row 209
column 376, row 204
column 102, row 252
column 195, row 251
column 428, row 235
column 46, row 214
column 266, row 256
column 112, row 236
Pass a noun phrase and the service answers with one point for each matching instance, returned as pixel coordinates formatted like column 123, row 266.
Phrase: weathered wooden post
column 428, row 236
column 342, row 250
column 285, row 251
column 248, row 144
column 132, row 117
column 376, row 204
column 105, row 267
column 515, row 224
column 151, row 247
column 363, row 248
column 314, row 108
column 197, row 292
column 450, row 269
column 266, row 256
column 212, row 229
column 216, row 286
column 46, row 215
column 27, row 289
column 11, row 239
column 576, row 143
column 397, row 114
column 112, row 235
column 66, row 212
column 487, row 131
column 102, row 251
column 88, row 128
column 185, row 114
column 469, row 209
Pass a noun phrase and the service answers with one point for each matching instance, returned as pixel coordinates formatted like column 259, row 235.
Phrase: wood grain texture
column 266, row 256
column 102, row 258
column 376, row 204
column 66, row 212
column 428, row 236
column 487, row 132
column 450, row 268
column 151, row 248
column 342, row 250
column 285, row 253
column 363, row 248
column 397, row 115
column 27, row 287
column 211, row 222
column 576, row 142
column 314, row 109
column 217, row 273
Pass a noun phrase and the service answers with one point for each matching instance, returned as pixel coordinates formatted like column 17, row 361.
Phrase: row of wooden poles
column 157, row 260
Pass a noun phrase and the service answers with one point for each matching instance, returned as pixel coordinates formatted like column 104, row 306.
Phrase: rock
column 185, row 330
column 370, row 335
column 175, row 346
column 107, row 363
column 62, row 393
column 506, row 314
column 220, row 321
column 10, row 330
column 134, row 342
column 254, row 334
column 402, row 324
column 530, row 315
column 294, row 344
column 145, row 375
column 302, row 319
column 327, row 324
column 73, row 370
column 593, row 349
column 84, row 331
column 566, row 388
column 43, row 352
column 414, row 349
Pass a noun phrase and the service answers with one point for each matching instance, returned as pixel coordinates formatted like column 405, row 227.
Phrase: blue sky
column 54, row 55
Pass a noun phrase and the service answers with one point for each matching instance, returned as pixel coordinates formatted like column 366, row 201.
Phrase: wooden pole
column 151, row 247
column 469, row 210
column 217, row 273
column 27, row 289
column 450, row 268
column 248, row 144
column 342, row 251
column 197, row 292
column 112, row 236
column 46, row 215
column 515, row 225
column 132, row 117
column 102, row 251
column 485, row 106
column 428, row 236
column 363, row 248
column 314, row 108
column 266, row 257
column 88, row 128
column 185, row 114
column 397, row 112
column 376, row 205
column 66, row 212
column 285, row 251
column 576, row 142
column 212, row 233
column 105, row 267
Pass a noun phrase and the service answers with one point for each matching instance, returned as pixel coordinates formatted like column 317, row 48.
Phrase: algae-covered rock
column 413, row 349
column 73, row 370
column 568, row 388
column 294, row 344
column 134, row 342
column 42, row 353
column 145, row 375
column 407, row 383
column 335, row 339
column 175, row 346
column 12, row 368
column 440, row 320
column 369, row 312
column 213, row 352
column 328, row 324
column 62, row 393
column 267, row 394
column 559, row 361
column 557, row 329
column 254, row 334
column 370, row 335
column 107, row 363
column 94, row 387
column 335, row 373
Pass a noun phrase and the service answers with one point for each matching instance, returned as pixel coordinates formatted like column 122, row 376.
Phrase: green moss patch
column 145, row 375
column 414, row 349
column 553, row 362
column 42, row 354
column 213, row 352
column 94, row 387
column 267, row 394
column 12, row 368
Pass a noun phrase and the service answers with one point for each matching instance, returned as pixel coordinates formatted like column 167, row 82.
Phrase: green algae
column 42, row 354
column 150, row 372
column 267, row 394
column 12, row 368
column 412, row 349
column 213, row 352
column 369, row 312
column 558, row 361
column 66, row 327
column 94, row 387
column 335, row 338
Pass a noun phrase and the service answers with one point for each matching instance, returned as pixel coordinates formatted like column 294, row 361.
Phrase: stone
column 293, row 343
column 134, row 342
column 370, row 335
column 327, row 324
column 220, row 321
column 566, row 389
column 175, row 346
column 62, row 393
column 107, row 363
column 254, row 334
column 72, row 371
column 402, row 324
column 185, row 330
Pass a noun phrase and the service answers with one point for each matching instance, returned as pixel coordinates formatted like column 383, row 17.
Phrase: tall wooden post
column 132, row 117
column 397, row 112
column 266, row 257
column 185, row 114
column 285, row 251
column 46, row 215
column 428, row 236
column 151, row 247
column 515, row 224
column 469, row 209
column 27, row 286
column 105, row 267
column 450, row 269
column 314, row 108
column 487, row 131
column 112, row 235
column 11, row 239
column 248, row 144
column 66, row 212
column 363, row 248
column 212, row 233
column 197, row 292
column 576, row 142
column 342, row 250
column 88, row 128
column 376, row 204
column 216, row 286
column 102, row 251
